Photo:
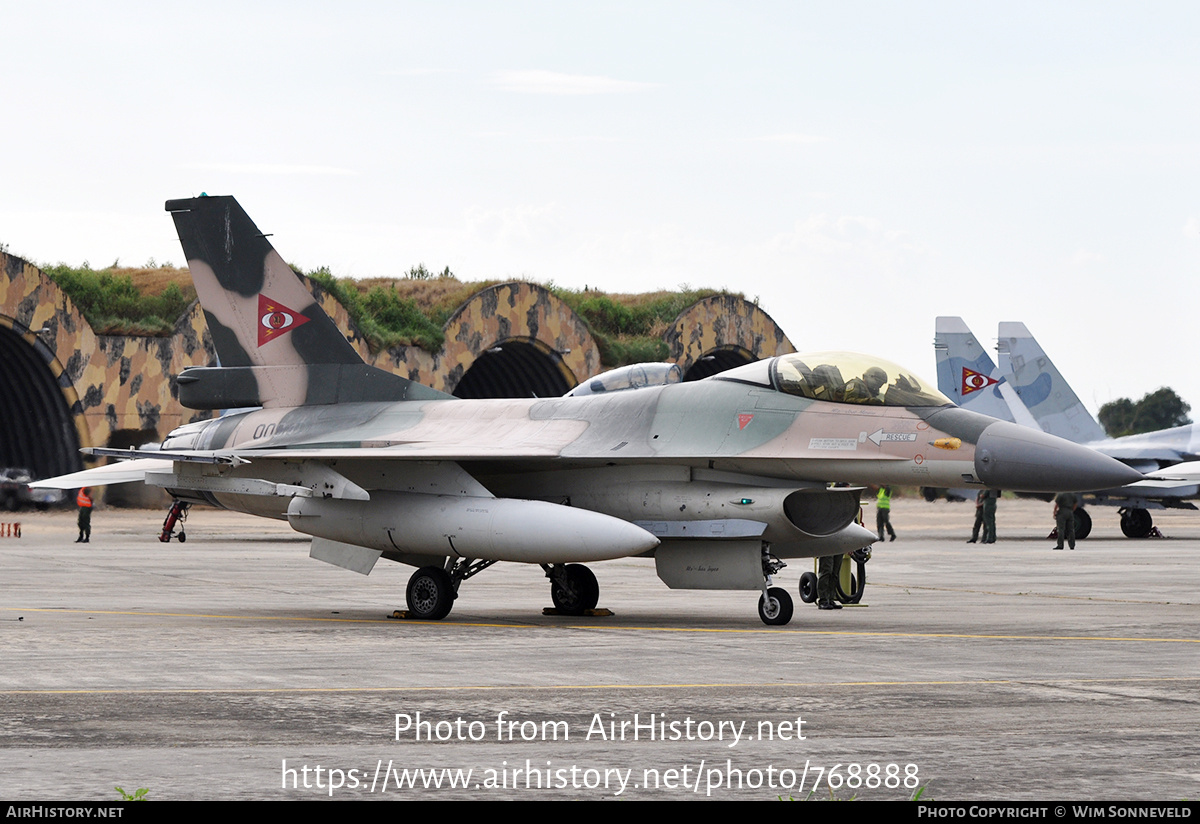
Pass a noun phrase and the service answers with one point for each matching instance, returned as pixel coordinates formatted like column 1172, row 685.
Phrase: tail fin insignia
column 275, row 319
column 973, row 381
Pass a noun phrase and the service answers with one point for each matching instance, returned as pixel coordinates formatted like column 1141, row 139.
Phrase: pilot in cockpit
column 866, row 389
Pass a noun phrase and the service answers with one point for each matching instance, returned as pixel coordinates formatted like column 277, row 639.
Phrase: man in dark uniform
column 827, row 567
column 1065, row 504
column 978, row 517
column 985, row 516
column 990, row 498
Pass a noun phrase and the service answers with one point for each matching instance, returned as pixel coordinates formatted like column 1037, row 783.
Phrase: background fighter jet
column 1027, row 387
column 718, row 479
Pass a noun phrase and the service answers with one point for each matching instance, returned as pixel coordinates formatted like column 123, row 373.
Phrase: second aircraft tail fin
column 1042, row 388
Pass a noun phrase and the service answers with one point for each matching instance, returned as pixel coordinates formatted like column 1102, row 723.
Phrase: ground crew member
column 827, row 567
column 883, row 512
column 84, row 501
column 990, row 498
column 978, row 517
column 1065, row 504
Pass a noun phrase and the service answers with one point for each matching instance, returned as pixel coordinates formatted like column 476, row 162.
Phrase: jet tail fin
column 1042, row 388
column 258, row 310
column 965, row 372
column 275, row 344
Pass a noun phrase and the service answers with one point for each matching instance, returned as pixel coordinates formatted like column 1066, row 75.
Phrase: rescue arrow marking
column 878, row 436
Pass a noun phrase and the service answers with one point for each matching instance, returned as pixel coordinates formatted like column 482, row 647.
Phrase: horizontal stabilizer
column 237, row 387
column 118, row 473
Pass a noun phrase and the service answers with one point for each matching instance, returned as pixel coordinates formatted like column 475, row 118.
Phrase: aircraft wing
column 1132, row 453
column 1187, row 471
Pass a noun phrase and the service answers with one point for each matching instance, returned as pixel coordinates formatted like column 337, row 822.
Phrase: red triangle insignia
column 744, row 420
column 973, row 381
column 275, row 319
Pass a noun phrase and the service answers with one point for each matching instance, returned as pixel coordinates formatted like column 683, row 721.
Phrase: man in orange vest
column 84, row 501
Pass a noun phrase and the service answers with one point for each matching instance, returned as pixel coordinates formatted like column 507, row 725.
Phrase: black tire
column 808, row 587
column 430, row 594
column 1083, row 524
column 578, row 593
column 778, row 611
column 12, row 504
column 182, row 537
column 1136, row 523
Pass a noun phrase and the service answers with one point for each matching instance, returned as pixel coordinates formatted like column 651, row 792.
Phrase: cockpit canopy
column 848, row 377
column 840, row 377
column 633, row 376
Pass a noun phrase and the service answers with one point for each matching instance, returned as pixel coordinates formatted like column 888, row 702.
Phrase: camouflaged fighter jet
column 718, row 479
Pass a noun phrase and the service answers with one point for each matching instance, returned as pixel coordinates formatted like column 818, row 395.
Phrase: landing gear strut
column 775, row 606
column 573, row 588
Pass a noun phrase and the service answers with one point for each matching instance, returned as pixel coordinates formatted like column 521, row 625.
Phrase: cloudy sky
column 859, row 167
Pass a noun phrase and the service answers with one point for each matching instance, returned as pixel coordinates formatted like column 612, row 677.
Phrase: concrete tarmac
column 235, row 667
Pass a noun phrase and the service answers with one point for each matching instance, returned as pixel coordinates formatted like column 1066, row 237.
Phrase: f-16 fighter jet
column 719, row 480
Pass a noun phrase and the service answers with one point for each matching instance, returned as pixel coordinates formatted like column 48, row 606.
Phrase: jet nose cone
column 1008, row 456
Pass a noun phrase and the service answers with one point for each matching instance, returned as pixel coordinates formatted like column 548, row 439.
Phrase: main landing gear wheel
column 808, row 587
column 575, row 590
column 430, row 594
column 775, row 608
column 1083, row 524
column 1136, row 523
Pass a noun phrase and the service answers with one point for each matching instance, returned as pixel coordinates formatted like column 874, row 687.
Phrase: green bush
column 386, row 318
column 112, row 304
